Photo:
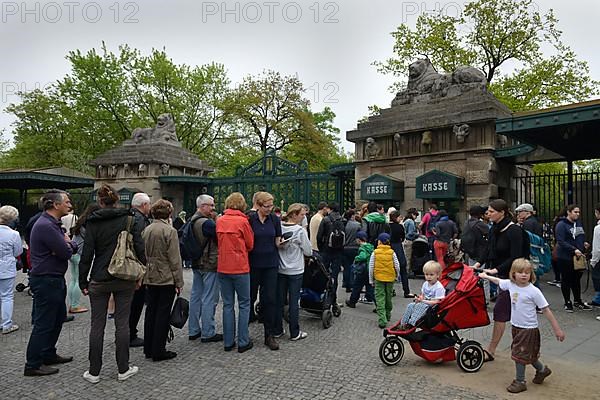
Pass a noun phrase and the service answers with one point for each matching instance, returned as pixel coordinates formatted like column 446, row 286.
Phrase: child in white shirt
column 432, row 292
column 524, row 298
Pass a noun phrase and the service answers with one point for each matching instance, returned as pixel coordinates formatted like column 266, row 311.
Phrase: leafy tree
column 107, row 95
column 489, row 34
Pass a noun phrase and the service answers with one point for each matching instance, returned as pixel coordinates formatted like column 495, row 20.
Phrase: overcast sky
column 329, row 44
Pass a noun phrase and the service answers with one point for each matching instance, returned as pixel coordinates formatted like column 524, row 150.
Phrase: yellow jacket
column 383, row 265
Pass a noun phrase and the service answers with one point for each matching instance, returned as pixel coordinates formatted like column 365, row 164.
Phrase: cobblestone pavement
column 337, row 363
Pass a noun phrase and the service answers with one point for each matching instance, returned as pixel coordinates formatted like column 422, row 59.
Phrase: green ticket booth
column 383, row 189
column 446, row 189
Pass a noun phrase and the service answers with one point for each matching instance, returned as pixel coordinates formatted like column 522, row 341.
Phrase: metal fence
column 549, row 195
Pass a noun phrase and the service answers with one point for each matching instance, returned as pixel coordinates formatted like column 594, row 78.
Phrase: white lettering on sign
column 377, row 188
column 435, row 187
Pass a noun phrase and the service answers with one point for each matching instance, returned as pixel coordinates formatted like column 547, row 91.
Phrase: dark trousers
column 100, row 292
column 399, row 250
column 288, row 291
column 349, row 254
column 266, row 279
column 360, row 278
column 137, row 305
column 570, row 281
column 333, row 261
column 49, row 312
column 159, row 301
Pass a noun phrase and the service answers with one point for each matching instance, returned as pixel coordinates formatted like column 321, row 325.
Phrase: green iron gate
column 288, row 182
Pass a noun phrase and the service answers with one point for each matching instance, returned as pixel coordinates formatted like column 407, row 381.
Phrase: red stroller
column 434, row 338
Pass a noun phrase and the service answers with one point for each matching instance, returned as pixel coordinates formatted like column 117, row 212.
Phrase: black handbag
column 180, row 312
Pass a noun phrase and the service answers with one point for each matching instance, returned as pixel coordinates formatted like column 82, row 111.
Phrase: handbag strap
column 129, row 222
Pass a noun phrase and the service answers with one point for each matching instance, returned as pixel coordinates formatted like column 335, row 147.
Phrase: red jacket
column 235, row 239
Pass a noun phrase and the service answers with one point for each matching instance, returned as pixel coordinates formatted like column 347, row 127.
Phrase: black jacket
column 102, row 229
column 505, row 245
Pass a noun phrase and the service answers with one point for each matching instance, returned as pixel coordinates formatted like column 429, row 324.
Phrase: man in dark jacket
column 333, row 258
column 528, row 220
column 476, row 233
column 51, row 248
column 140, row 204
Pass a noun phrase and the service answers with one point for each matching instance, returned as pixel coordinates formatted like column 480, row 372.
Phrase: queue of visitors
column 254, row 261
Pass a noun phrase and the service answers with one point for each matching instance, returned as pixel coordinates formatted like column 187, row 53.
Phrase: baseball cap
column 524, row 207
column 384, row 237
column 362, row 235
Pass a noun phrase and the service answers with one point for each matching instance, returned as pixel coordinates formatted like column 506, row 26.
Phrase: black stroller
column 420, row 254
column 317, row 296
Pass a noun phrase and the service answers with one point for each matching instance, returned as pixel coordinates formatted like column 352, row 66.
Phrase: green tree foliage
column 107, row 95
column 490, row 35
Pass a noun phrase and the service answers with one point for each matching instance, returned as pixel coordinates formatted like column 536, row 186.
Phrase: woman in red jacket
column 235, row 239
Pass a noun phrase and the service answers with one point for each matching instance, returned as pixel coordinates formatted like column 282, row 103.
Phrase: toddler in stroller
column 432, row 292
column 316, row 295
column 434, row 335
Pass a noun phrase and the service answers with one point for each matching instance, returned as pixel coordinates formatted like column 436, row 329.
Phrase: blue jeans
column 203, row 303
column 333, row 261
column 288, row 288
column 596, row 298
column 49, row 294
column 73, row 290
column 349, row 254
column 232, row 285
column 7, row 296
column 361, row 278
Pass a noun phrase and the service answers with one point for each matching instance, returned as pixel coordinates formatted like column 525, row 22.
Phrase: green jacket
column 364, row 253
column 375, row 217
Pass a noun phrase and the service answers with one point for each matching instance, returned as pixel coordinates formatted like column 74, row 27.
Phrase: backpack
column 540, row 254
column 337, row 237
column 433, row 220
column 188, row 245
column 374, row 229
column 473, row 243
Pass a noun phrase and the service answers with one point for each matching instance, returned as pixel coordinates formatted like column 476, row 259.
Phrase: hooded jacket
column 102, row 231
column 236, row 239
column 292, row 253
column 569, row 237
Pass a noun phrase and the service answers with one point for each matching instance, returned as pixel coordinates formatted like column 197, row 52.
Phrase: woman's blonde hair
column 432, row 266
column 236, row 201
column 294, row 209
column 8, row 214
column 522, row 265
column 262, row 197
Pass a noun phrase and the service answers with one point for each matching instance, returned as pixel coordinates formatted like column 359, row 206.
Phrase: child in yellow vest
column 384, row 268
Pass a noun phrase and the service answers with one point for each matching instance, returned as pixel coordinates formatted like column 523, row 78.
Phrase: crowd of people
column 253, row 255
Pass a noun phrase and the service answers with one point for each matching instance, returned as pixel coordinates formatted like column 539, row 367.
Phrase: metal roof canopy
column 569, row 131
column 45, row 178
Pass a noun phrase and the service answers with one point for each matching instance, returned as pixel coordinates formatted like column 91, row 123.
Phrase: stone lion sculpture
column 372, row 149
column 461, row 132
column 425, row 83
column 164, row 130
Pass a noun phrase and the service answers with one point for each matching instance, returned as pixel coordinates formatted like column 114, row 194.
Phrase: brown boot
column 540, row 376
column 271, row 343
column 517, row 387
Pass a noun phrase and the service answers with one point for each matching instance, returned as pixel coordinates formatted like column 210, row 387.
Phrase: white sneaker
column 301, row 335
column 12, row 328
column 280, row 335
column 91, row 378
column 128, row 374
column 598, row 317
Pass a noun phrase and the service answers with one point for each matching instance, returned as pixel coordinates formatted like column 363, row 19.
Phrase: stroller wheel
column 470, row 356
column 20, row 287
column 327, row 318
column 337, row 311
column 391, row 350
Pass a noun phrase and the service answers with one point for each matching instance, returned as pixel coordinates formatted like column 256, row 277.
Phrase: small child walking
column 432, row 292
column 384, row 268
column 360, row 270
column 524, row 297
